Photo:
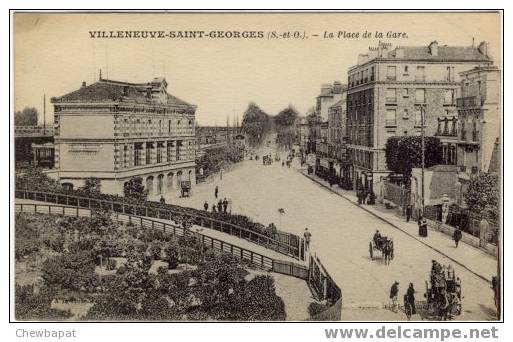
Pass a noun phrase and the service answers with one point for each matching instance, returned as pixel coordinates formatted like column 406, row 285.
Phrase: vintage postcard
column 209, row 166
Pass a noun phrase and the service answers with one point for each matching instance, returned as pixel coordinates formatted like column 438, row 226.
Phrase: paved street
column 341, row 233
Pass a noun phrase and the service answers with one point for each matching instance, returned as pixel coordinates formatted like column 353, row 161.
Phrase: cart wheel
column 370, row 251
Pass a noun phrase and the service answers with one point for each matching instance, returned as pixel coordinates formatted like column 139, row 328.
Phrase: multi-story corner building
column 302, row 133
column 115, row 131
column 337, row 140
column 330, row 94
column 479, row 116
column 337, row 126
column 389, row 89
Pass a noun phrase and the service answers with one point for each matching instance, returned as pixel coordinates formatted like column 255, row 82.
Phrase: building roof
column 456, row 53
column 115, row 91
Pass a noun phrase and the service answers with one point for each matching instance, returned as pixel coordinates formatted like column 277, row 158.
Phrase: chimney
column 83, row 84
column 326, row 88
column 433, row 48
column 483, row 48
column 337, row 87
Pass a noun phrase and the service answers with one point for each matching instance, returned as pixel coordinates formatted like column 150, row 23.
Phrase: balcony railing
column 470, row 102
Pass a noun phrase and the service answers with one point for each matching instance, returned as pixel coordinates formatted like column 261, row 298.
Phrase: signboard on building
column 310, row 159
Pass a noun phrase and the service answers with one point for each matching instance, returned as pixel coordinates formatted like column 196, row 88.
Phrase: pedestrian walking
column 225, row 205
column 457, row 236
column 422, row 226
column 205, row 206
column 408, row 212
column 307, row 235
column 394, row 291
column 216, row 191
column 214, row 208
column 410, row 301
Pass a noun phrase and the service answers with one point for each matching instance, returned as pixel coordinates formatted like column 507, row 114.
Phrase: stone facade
column 115, row 131
column 479, row 118
column 389, row 89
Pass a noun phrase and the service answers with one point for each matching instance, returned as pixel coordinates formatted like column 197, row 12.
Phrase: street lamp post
column 422, row 108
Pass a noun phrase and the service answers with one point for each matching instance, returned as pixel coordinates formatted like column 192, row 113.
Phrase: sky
column 54, row 54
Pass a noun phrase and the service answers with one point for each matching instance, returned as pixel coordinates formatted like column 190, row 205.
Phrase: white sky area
column 54, row 53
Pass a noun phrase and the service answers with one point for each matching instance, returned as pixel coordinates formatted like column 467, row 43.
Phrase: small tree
column 92, row 185
column 404, row 153
column 482, row 195
column 134, row 189
column 26, row 117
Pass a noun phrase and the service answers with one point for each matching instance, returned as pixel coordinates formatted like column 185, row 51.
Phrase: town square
column 214, row 172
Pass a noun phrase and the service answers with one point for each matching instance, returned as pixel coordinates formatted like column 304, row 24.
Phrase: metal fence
column 321, row 282
column 284, row 243
column 399, row 195
column 253, row 258
column 325, row 289
column 466, row 220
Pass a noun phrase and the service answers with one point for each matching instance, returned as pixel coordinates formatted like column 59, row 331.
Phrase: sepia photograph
column 256, row 166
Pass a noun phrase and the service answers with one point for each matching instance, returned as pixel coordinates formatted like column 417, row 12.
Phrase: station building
column 115, row 131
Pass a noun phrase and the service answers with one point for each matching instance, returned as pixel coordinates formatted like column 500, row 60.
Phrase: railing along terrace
column 284, row 243
column 20, row 131
column 253, row 258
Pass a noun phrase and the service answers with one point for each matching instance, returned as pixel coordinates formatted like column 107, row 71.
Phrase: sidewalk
column 473, row 259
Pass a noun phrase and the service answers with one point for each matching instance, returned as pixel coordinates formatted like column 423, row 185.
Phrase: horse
column 387, row 250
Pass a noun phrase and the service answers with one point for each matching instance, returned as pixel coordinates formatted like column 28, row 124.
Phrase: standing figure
column 225, row 205
column 220, row 206
column 162, row 200
column 307, row 235
column 410, row 298
column 205, row 206
column 216, row 191
column 424, row 227
column 408, row 212
column 457, row 236
column 394, row 291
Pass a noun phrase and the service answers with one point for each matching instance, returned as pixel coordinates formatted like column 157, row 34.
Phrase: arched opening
column 190, row 174
column 149, row 185
column 160, row 184
column 179, row 179
column 170, row 177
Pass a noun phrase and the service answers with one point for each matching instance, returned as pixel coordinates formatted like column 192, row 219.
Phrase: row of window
column 368, row 75
column 137, row 127
column 361, row 77
column 150, row 153
column 420, row 95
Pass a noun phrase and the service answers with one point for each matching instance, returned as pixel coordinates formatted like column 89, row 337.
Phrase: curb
column 399, row 228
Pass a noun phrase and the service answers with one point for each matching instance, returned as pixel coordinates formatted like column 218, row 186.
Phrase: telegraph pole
column 422, row 108
column 44, row 114
column 423, row 148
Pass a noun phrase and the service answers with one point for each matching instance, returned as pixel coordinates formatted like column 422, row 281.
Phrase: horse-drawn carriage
column 267, row 160
column 384, row 245
column 443, row 293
